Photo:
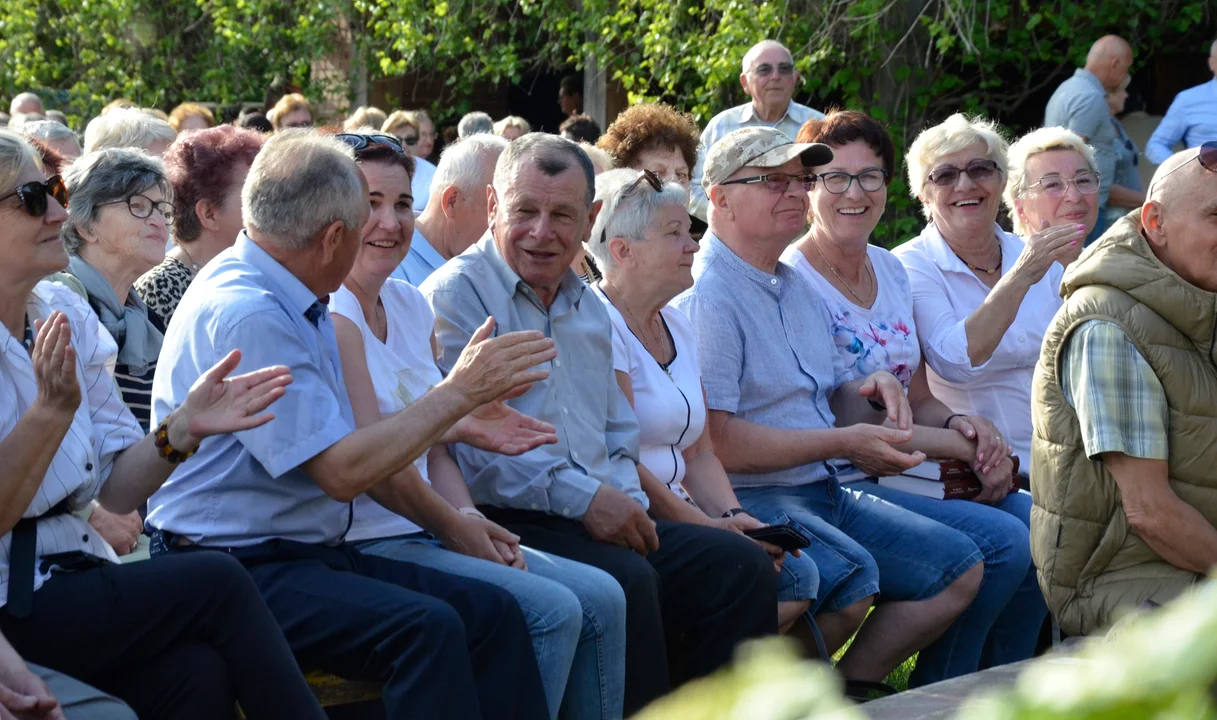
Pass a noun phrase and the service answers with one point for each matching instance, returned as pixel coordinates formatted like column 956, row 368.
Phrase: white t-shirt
column 402, row 370
column 669, row 404
column 881, row 338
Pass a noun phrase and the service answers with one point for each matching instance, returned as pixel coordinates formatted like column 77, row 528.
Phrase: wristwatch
column 734, row 511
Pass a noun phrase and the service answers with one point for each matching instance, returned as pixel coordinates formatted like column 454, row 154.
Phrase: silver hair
column 298, row 185
column 757, row 49
column 514, row 121
column 474, row 123
column 20, row 120
column 1028, row 146
column 546, row 152
column 463, row 164
column 127, row 127
column 48, row 131
column 627, row 216
column 955, row 134
column 21, row 99
column 106, row 176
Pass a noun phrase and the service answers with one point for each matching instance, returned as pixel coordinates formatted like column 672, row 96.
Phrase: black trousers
column 445, row 646
column 687, row 605
column 176, row 637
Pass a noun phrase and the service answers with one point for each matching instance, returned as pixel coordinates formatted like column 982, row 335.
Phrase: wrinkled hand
column 991, row 447
column 995, row 483
column 883, row 387
column 740, row 523
column 121, row 532
column 1048, row 245
column 490, row 368
column 477, row 537
column 500, row 428
column 218, row 404
column 614, row 518
column 54, row 361
column 24, row 696
column 871, row 450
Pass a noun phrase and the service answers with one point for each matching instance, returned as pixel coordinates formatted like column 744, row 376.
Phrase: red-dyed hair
column 200, row 166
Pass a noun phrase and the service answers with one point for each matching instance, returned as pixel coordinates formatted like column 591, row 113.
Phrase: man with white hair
column 130, row 128
column 692, row 592
column 1191, row 118
column 1080, row 104
column 1125, row 403
column 455, row 215
column 56, row 136
column 768, row 76
column 26, row 103
column 474, row 123
column 279, row 498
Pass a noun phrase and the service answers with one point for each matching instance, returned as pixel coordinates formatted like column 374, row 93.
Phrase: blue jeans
column 575, row 615
column 1003, row 622
column 864, row 546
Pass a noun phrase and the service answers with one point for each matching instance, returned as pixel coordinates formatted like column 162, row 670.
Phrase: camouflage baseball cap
column 762, row 147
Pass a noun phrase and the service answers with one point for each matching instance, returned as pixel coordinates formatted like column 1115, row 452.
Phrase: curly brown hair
column 651, row 126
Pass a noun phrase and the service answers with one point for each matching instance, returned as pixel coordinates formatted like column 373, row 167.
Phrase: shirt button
column 557, row 363
column 84, row 538
column 1022, row 338
column 89, row 467
column 574, row 455
column 534, row 506
column 773, row 281
column 565, row 411
column 566, row 512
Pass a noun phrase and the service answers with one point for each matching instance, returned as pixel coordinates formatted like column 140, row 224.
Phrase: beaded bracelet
column 166, row 450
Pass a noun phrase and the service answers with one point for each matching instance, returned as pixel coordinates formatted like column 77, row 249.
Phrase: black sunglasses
column 359, row 142
column 978, row 170
column 651, row 179
column 33, row 195
column 411, row 140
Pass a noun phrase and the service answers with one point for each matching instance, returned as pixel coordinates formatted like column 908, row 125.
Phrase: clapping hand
column 54, row 361
column 500, row 428
column 490, row 368
column 1048, row 245
column 218, row 404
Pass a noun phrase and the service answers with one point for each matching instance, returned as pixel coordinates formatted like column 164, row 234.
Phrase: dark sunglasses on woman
column 33, row 195
column 359, row 142
column 978, row 170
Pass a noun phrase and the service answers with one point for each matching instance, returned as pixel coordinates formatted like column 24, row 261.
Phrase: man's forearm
column 409, row 496
column 665, row 504
column 1182, row 536
column 745, row 447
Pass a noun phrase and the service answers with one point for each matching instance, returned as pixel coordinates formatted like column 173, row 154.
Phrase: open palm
column 498, row 427
column 218, row 404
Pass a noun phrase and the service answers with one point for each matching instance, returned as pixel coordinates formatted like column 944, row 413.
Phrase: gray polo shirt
column 1080, row 104
column 766, row 353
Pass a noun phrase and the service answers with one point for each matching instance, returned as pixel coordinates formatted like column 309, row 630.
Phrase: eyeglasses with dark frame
column 651, row 179
column 1056, row 185
column 359, row 142
column 838, row 183
column 1207, row 157
column 33, row 195
column 141, row 206
column 410, row 140
column 776, row 183
column 765, row 70
column 978, row 170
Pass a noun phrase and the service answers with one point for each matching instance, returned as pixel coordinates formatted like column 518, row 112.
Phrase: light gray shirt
column 766, row 353
column 597, row 430
column 1080, row 104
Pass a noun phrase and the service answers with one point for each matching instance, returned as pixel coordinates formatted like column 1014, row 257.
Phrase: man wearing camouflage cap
column 770, row 368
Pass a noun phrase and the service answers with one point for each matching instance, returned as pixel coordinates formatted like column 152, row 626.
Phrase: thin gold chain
column 833, row 270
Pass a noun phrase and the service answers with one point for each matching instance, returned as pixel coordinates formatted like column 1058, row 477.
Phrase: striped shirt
column 136, row 391
column 101, row 428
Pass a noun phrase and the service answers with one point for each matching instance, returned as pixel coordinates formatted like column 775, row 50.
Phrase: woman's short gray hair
column 627, row 216
column 127, row 127
column 48, row 131
column 299, row 184
column 1027, row 147
column 106, row 176
column 955, row 134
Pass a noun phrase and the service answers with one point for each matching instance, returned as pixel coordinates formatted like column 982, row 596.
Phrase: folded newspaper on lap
column 940, row 479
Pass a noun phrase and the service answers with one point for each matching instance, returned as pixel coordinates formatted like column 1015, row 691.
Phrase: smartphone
column 787, row 537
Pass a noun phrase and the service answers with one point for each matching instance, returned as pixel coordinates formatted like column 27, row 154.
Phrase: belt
column 22, row 554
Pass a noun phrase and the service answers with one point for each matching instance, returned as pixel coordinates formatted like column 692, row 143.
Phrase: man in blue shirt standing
column 278, row 497
column 1191, row 118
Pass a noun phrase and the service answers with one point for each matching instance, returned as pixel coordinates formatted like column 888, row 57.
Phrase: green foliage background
column 909, row 62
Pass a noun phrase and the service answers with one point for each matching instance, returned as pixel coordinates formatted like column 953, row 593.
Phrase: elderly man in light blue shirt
column 769, row 78
column 455, row 217
column 1191, row 118
column 278, row 497
column 704, row 588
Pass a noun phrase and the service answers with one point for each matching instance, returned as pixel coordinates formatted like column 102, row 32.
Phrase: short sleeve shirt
column 1080, row 104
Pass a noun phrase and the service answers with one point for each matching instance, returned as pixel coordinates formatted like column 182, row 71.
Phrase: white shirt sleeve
column 940, row 325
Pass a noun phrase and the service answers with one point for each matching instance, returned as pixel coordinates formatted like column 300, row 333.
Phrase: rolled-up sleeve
column 940, row 326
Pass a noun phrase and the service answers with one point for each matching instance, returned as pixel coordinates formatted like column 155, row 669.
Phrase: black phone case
column 784, row 536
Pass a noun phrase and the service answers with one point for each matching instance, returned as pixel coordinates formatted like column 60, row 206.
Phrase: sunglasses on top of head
column 1207, row 157
column 646, row 175
column 359, row 142
column 33, row 195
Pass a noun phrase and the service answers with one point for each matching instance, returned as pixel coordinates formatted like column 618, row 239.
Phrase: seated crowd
column 499, row 440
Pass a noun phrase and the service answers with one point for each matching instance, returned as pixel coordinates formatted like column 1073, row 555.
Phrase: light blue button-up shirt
column 597, row 429
column 1191, row 118
column 1080, row 104
column 727, row 122
column 420, row 262
column 766, row 352
column 248, row 487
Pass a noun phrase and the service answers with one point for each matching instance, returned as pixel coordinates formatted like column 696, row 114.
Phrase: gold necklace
column 833, row 270
column 641, row 338
column 985, row 270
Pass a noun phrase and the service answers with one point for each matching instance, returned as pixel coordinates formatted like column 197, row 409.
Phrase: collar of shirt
column 794, row 111
column 290, row 291
column 938, row 250
column 715, row 249
column 1089, row 78
column 571, row 287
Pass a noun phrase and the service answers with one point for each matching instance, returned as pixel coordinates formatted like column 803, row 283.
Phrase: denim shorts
column 862, row 545
column 799, row 580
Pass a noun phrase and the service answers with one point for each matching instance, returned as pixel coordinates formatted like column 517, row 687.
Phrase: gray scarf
column 139, row 342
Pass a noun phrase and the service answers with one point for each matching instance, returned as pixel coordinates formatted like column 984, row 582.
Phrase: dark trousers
column 176, row 637
column 687, row 605
column 444, row 646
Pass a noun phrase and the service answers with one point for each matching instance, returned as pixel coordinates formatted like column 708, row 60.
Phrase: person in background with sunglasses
column 182, row 637
column 866, row 292
column 406, row 126
column 770, row 371
column 768, row 76
column 1125, row 400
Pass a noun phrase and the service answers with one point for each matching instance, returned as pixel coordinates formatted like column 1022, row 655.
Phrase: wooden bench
column 332, row 690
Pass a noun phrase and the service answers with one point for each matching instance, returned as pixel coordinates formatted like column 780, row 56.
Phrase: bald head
column 755, row 51
column 1109, row 60
column 1177, row 218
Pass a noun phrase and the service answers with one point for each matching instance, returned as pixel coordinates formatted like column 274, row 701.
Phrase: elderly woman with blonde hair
column 512, row 127
column 1054, row 181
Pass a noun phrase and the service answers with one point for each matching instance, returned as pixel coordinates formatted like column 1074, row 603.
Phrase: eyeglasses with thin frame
column 1207, row 157
column 141, row 206
column 33, row 196
column 979, row 171
column 777, row 183
column 358, row 141
column 1056, row 185
column 838, row 183
column 651, row 179
column 765, row 70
